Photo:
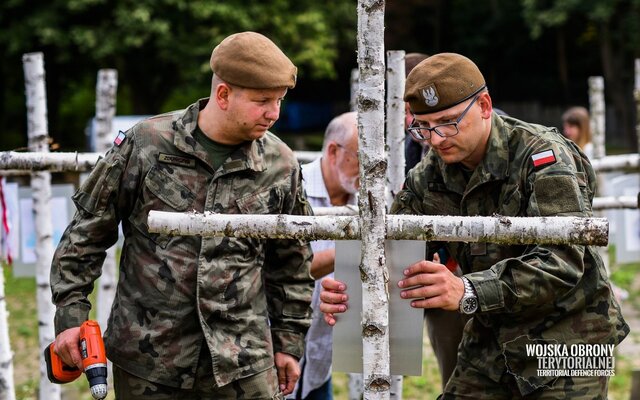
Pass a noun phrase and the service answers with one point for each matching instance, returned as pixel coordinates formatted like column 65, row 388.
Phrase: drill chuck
column 97, row 377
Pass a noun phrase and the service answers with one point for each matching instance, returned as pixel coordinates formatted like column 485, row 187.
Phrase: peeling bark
column 38, row 133
column 496, row 229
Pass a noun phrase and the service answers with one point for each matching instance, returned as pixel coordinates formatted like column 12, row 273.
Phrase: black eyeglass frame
column 415, row 130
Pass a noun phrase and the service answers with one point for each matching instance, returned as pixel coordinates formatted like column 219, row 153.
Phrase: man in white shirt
column 331, row 180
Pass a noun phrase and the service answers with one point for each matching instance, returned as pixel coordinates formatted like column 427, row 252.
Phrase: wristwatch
column 469, row 300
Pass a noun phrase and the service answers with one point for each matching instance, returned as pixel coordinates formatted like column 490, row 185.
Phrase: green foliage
column 160, row 48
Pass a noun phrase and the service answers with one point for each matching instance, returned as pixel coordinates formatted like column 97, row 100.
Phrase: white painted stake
column 38, row 133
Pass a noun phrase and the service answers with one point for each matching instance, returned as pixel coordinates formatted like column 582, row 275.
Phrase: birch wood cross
column 373, row 226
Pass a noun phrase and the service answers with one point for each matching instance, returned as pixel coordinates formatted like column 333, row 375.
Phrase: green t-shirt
column 219, row 152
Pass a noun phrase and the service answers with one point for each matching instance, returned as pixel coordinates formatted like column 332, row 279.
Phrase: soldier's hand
column 333, row 299
column 67, row 347
column 288, row 372
column 432, row 284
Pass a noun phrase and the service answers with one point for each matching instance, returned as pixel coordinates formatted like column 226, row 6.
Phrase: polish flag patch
column 120, row 138
column 543, row 158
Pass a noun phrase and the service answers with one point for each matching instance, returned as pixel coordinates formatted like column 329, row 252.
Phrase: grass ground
column 20, row 295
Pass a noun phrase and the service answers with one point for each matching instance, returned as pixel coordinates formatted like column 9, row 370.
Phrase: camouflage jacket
column 244, row 298
column 557, row 294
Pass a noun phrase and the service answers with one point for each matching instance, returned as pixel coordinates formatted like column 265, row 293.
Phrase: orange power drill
column 94, row 361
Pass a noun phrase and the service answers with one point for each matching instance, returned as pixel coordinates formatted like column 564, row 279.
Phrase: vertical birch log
column 597, row 119
column 38, row 133
column 636, row 93
column 106, row 89
column 395, row 123
column 373, row 270
column 597, row 111
column 7, row 388
column 355, row 77
column 395, row 150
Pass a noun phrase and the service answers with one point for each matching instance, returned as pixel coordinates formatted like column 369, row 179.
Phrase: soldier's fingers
column 332, row 308
column 330, row 319
column 333, row 297
column 333, row 285
column 430, row 302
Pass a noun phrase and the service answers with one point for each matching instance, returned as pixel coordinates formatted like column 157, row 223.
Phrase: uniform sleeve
column 543, row 273
column 288, row 282
column 77, row 262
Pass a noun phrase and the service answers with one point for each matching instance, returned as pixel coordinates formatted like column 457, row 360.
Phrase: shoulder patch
column 120, row 138
column 543, row 158
column 177, row 160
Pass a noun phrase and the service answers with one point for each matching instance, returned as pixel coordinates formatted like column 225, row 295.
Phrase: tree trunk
column 38, row 133
column 373, row 166
column 53, row 162
column 106, row 90
column 447, row 228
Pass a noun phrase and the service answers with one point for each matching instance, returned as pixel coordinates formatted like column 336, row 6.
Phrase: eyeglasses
column 421, row 132
column 353, row 153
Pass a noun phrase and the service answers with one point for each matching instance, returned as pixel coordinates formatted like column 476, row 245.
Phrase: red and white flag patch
column 120, row 138
column 543, row 158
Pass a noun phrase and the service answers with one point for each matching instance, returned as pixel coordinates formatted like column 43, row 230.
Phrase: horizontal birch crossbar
column 79, row 162
column 498, row 229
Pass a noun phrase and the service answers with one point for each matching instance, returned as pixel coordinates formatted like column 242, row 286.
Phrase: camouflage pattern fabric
column 553, row 293
column 244, row 298
column 263, row 386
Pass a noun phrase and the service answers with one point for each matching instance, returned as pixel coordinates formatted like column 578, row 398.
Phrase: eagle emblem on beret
column 430, row 96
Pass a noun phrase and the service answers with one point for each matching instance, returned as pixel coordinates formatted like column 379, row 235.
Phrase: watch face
column 469, row 305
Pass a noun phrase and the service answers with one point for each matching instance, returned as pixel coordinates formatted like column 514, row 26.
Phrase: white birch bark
column 636, row 94
column 621, row 162
column 106, row 89
column 613, row 202
column 395, row 123
column 7, row 387
column 597, row 119
column 374, row 273
column 53, row 162
column 78, row 162
column 355, row 77
column 395, row 152
column 597, row 115
column 502, row 230
column 38, row 133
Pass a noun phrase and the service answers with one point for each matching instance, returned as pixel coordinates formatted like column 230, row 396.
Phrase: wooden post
column 636, row 93
column 106, row 89
column 38, row 133
column 597, row 115
column 395, row 123
column 373, row 166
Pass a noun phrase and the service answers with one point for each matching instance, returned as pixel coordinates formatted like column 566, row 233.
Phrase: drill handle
column 57, row 371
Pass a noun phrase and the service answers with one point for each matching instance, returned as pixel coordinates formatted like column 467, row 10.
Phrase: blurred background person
column 576, row 127
column 330, row 181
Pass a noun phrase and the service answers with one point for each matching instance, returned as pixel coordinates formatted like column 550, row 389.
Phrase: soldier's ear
column 486, row 105
column 222, row 93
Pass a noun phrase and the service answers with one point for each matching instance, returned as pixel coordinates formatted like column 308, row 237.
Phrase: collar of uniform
column 252, row 152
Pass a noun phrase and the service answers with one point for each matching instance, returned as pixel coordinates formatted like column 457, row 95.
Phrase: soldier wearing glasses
column 484, row 164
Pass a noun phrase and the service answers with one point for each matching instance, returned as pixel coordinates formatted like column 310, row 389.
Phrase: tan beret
column 252, row 60
column 442, row 81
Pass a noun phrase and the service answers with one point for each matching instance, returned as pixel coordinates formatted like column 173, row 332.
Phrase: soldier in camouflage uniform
column 483, row 164
column 194, row 317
